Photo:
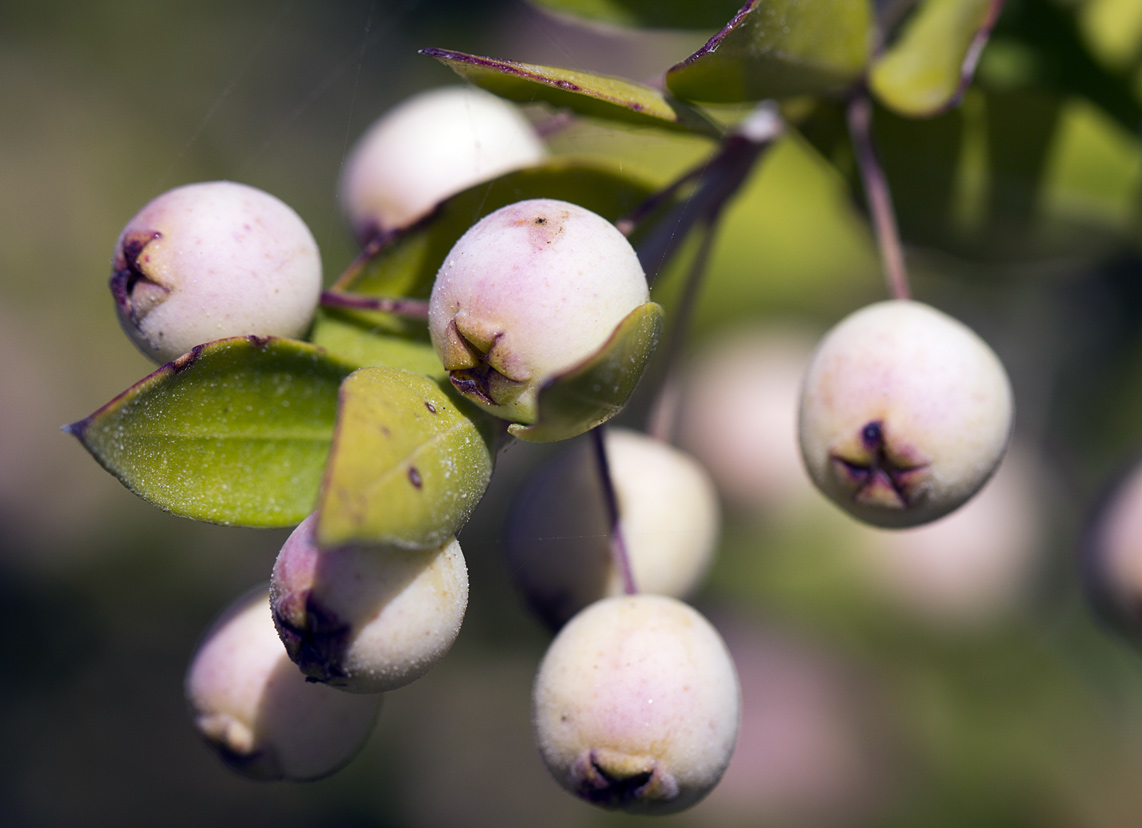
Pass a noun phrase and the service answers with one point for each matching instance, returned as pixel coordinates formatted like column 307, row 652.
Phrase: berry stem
column 879, row 198
column 411, row 308
column 717, row 180
column 618, row 543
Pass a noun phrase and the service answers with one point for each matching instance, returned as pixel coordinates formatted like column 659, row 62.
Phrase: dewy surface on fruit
column 429, row 147
column 636, row 705
column 212, row 260
column 366, row 619
column 252, row 704
column 530, row 291
column 558, row 536
column 905, row 413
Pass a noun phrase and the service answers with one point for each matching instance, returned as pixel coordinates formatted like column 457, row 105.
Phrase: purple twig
column 879, row 198
column 618, row 544
column 411, row 308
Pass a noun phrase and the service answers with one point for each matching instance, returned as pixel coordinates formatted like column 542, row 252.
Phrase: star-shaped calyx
column 475, row 357
column 875, row 473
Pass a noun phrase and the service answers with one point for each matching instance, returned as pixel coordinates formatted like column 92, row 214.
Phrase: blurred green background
column 1022, row 216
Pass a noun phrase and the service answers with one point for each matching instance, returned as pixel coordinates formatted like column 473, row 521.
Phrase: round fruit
column 430, row 147
column 530, row 291
column 253, row 705
column 213, row 260
column 636, row 705
column 905, row 413
column 558, row 537
column 366, row 618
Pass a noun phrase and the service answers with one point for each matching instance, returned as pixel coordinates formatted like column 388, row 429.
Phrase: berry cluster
column 487, row 304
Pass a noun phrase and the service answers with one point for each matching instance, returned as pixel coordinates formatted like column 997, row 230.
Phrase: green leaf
column 648, row 14
column 779, row 48
column 364, row 339
column 926, row 69
column 408, row 465
column 407, row 266
column 236, row 431
column 596, row 390
column 596, row 96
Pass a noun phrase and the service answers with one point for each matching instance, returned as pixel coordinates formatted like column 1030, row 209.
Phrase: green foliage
column 779, row 48
column 922, row 72
column 234, row 432
column 408, row 463
column 595, row 96
column 593, row 392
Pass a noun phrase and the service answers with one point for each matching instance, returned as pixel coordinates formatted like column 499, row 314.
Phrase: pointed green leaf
column 406, row 267
column 596, row 96
column 595, row 391
column 364, row 339
column 778, row 48
column 408, row 465
column 648, row 14
column 236, row 431
column 927, row 68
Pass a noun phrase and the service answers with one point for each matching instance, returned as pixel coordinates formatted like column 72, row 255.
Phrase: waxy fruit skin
column 530, row 291
column 905, row 413
column 636, row 705
column 367, row 618
column 558, row 536
column 212, row 260
column 257, row 710
column 430, row 147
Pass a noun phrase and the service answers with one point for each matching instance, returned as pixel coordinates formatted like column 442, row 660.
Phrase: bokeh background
column 956, row 679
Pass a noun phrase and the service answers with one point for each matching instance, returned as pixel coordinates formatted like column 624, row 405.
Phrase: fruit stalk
column 859, row 114
column 618, row 544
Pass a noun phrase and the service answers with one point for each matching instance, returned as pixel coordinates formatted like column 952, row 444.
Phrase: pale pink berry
column 636, row 705
column 429, row 147
column 530, row 291
column 257, row 710
column 213, row 260
column 905, row 413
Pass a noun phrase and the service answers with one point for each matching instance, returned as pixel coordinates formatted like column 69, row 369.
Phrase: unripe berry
column 636, row 705
column 530, row 291
column 366, row 618
column 253, row 705
column 558, row 537
column 212, row 260
column 905, row 413
column 428, row 148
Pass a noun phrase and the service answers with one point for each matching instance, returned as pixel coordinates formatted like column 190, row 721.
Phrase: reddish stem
column 878, row 195
column 411, row 308
column 619, row 552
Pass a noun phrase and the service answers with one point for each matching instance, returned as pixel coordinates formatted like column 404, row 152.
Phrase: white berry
column 530, row 291
column 253, row 705
column 212, row 260
column 558, row 539
column 905, row 413
column 366, row 619
column 636, row 705
column 428, row 148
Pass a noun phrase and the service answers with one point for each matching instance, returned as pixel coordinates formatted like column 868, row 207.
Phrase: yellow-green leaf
column 596, row 390
column 929, row 65
column 596, row 96
column 408, row 464
column 779, row 48
column 236, row 431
